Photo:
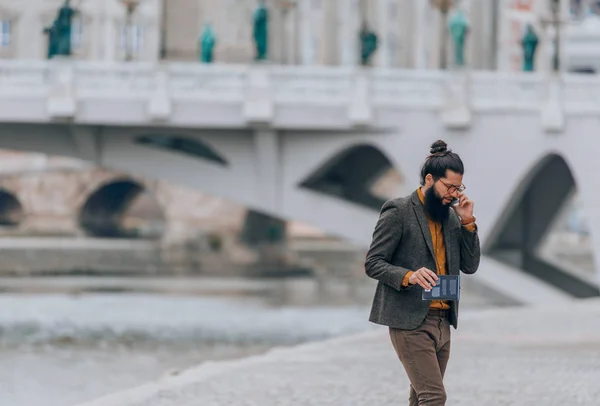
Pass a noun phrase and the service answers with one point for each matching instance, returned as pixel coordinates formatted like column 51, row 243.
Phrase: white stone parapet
column 235, row 96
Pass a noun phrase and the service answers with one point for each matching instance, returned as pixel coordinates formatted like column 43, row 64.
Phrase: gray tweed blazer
column 402, row 242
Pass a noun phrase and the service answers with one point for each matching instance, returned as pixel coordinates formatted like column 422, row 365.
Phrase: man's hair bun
column 438, row 147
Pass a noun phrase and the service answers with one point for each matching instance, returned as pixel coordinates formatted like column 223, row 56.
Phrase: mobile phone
column 454, row 202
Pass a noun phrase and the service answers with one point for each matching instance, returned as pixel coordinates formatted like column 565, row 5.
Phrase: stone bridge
column 101, row 203
column 308, row 143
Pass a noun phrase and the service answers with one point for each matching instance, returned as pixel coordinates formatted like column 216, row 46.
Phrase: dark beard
column 435, row 207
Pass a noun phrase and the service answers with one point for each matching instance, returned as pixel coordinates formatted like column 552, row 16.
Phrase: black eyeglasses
column 453, row 188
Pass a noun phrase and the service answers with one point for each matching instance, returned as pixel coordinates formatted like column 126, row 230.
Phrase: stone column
column 348, row 29
column 307, row 51
column 152, row 22
column 110, row 32
column 436, row 38
column 288, row 40
column 92, row 34
column 505, row 38
column 472, row 51
column 484, row 34
column 564, row 16
column 327, row 27
column 276, row 40
column 267, row 233
column 388, row 30
column 312, row 13
column 149, row 22
column 419, row 37
column 294, row 37
column 268, row 168
column 28, row 40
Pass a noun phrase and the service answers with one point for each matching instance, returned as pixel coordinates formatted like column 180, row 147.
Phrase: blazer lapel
column 422, row 220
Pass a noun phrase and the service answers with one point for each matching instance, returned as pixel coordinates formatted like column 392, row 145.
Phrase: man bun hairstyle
column 439, row 147
column 440, row 160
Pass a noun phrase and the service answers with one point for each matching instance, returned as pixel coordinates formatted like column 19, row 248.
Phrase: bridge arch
column 122, row 208
column 539, row 200
column 182, row 144
column 360, row 173
column 11, row 210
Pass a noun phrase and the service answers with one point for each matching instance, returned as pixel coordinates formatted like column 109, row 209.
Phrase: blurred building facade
column 304, row 32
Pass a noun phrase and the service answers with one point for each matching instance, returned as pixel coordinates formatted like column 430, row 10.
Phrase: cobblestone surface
column 501, row 357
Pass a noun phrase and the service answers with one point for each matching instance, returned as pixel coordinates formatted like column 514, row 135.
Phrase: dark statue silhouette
column 59, row 33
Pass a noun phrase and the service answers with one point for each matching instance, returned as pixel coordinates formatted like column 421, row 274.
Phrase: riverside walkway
column 511, row 356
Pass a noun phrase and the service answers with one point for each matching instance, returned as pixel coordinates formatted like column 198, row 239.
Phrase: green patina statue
column 529, row 44
column 59, row 34
column 207, row 44
column 52, row 46
column 261, row 31
column 459, row 29
column 368, row 44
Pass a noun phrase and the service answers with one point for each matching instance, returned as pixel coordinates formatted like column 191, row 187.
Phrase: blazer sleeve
column 386, row 237
column 470, row 251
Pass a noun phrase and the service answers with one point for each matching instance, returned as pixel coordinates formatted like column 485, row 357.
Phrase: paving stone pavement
column 500, row 357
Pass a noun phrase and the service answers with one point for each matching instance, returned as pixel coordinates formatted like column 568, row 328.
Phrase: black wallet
column 447, row 288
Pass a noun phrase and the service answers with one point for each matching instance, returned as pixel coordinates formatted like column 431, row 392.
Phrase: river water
column 68, row 340
column 72, row 345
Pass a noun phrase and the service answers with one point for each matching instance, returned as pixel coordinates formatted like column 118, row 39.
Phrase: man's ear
column 429, row 180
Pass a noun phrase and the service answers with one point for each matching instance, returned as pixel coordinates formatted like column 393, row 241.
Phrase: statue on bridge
column 368, row 44
column 459, row 29
column 261, row 31
column 59, row 34
column 207, row 44
column 529, row 44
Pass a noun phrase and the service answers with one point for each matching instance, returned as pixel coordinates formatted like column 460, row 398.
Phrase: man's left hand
column 464, row 208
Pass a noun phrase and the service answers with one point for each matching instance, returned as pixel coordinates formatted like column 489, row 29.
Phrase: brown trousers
column 424, row 352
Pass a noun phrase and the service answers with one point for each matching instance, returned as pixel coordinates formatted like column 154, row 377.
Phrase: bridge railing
column 101, row 81
column 407, row 88
column 24, row 79
column 261, row 90
column 204, row 82
column 314, row 86
column 497, row 90
column 582, row 94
